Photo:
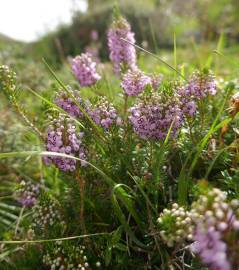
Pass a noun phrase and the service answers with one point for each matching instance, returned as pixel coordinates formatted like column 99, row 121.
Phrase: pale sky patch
column 26, row 20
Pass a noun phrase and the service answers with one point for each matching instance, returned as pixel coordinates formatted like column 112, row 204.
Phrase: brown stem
column 81, row 183
column 125, row 107
column 201, row 108
column 152, row 230
column 125, row 116
column 191, row 132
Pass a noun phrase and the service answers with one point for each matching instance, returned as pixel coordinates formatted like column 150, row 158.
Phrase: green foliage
column 128, row 181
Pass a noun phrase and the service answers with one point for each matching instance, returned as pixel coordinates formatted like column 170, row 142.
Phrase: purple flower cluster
column 27, row 193
column 134, row 82
column 215, row 211
column 104, row 114
column 84, row 70
column 187, row 103
column 152, row 116
column 199, row 86
column 64, row 101
column 211, row 249
column 121, row 52
column 62, row 137
column 216, row 223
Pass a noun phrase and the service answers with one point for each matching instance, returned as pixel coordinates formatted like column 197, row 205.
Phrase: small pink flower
column 84, row 70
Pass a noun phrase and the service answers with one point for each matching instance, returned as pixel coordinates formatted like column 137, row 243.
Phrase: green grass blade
column 175, row 50
column 143, row 193
column 124, row 222
column 156, row 57
column 18, row 242
column 127, row 201
column 214, row 160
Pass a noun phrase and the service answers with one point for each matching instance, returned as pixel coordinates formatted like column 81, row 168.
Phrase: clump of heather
column 124, row 203
column 67, row 103
column 27, row 193
column 154, row 114
column 175, row 225
column 84, row 69
column 187, row 103
column 63, row 137
column 211, row 249
column 201, row 84
column 103, row 113
column 213, row 210
column 46, row 216
column 134, row 82
column 122, row 53
column 217, row 225
column 66, row 256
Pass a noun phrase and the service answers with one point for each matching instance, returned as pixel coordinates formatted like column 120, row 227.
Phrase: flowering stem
column 27, row 120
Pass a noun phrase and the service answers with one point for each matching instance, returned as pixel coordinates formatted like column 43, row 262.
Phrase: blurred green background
column 154, row 21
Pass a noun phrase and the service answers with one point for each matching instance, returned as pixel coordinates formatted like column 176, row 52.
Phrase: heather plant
column 122, row 54
column 154, row 114
column 144, row 180
column 134, row 82
column 69, row 257
column 175, row 225
column 84, row 69
column 103, row 113
column 216, row 225
column 62, row 137
column 47, row 214
column 27, row 193
column 65, row 101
